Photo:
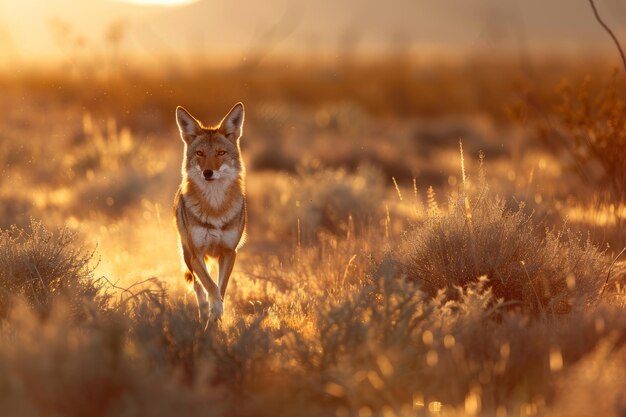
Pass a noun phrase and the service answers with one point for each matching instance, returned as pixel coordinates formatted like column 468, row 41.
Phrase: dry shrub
column 390, row 346
column 90, row 170
column 113, row 194
column 321, row 199
column 378, row 346
column 110, row 171
column 328, row 198
column 589, row 129
column 169, row 336
column 147, row 357
column 99, row 149
column 40, row 266
column 479, row 235
column 591, row 123
column 56, row 367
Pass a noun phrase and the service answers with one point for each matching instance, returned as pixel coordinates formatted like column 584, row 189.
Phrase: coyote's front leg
column 202, row 299
column 216, row 308
column 226, row 262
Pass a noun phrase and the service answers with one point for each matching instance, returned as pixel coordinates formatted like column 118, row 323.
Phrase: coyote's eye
column 199, row 153
column 221, row 153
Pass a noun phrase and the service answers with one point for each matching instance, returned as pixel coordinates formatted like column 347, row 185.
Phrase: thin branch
column 530, row 281
column 150, row 293
column 609, row 31
column 608, row 275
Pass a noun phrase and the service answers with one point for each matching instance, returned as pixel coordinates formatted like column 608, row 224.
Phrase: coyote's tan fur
column 210, row 204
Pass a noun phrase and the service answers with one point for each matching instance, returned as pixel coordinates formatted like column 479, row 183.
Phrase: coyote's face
column 211, row 153
column 212, row 156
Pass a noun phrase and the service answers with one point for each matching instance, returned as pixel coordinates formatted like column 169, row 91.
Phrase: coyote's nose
column 208, row 174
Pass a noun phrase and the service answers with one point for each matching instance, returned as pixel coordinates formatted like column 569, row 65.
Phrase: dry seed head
column 433, row 208
column 462, row 165
column 395, row 183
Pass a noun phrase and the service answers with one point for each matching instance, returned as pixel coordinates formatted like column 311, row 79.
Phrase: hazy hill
column 234, row 27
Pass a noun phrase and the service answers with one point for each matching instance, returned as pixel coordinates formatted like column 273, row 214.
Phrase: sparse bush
column 586, row 129
column 592, row 124
column 480, row 235
column 57, row 367
column 40, row 267
column 113, row 193
column 169, row 336
column 390, row 346
column 110, row 171
column 325, row 200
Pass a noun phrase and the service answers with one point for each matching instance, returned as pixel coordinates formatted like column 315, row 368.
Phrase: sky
column 36, row 32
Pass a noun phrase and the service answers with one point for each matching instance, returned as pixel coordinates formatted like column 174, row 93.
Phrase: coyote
column 210, row 204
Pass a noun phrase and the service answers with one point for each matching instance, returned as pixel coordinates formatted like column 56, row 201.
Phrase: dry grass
column 318, row 200
column 542, row 271
column 379, row 344
column 42, row 267
column 353, row 296
column 592, row 122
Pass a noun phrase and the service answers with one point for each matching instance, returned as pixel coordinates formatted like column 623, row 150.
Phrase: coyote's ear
column 232, row 124
column 189, row 127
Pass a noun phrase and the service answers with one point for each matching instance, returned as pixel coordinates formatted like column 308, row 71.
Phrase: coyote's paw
column 217, row 310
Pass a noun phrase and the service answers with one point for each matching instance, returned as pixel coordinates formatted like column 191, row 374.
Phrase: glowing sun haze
column 36, row 32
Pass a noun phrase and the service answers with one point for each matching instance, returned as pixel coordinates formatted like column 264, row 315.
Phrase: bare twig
column 608, row 275
column 609, row 31
column 345, row 271
column 128, row 289
column 530, row 281
column 149, row 292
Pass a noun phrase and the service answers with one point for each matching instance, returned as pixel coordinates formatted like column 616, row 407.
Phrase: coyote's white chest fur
column 217, row 231
column 214, row 194
column 209, row 241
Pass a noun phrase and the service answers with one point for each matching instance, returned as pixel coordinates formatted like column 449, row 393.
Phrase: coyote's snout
column 210, row 204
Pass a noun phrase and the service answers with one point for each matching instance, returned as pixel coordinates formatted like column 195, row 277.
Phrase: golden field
column 424, row 239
